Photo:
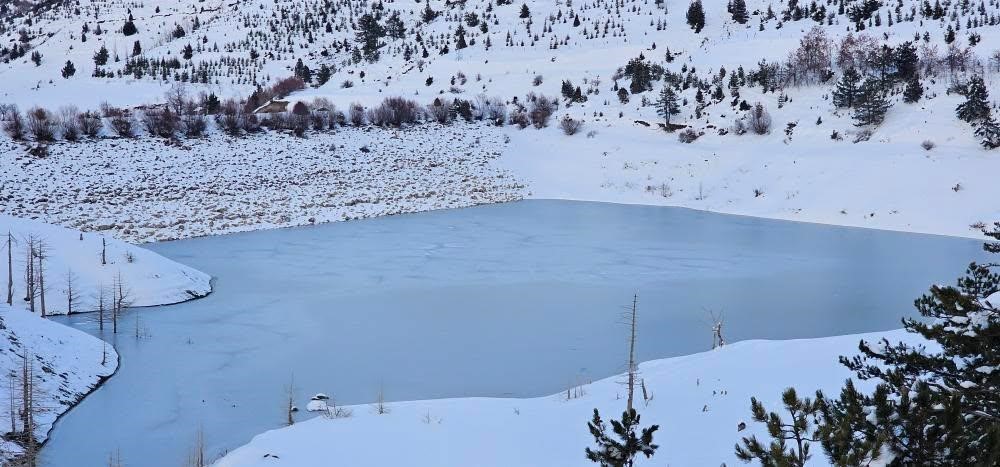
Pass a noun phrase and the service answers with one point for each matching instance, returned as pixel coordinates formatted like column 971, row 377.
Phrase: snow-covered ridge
column 84, row 262
column 698, row 400
column 65, row 365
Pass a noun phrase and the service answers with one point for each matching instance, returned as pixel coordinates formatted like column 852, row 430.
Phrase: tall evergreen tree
column 848, row 91
column 369, row 35
column 460, row 38
column 914, row 90
column 667, row 105
column 620, row 452
column 128, row 29
column 739, row 11
column 906, row 60
column 525, row 12
column 68, row 69
column 872, row 104
column 988, row 132
column 696, row 16
column 976, row 106
column 324, row 74
column 101, row 56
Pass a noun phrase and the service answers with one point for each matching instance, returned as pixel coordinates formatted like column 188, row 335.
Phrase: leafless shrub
column 14, row 125
column 394, row 111
column 121, row 122
column 570, row 126
column 739, row 126
column 193, row 125
column 491, row 109
column 177, row 98
column 541, row 110
column 69, row 123
column 320, row 120
column 687, row 136
column 520, row 117
column 160, row 122
column 300, row 108
column 537, row 81
column 863, row 135
column 286, row 86
column 230, row 118
column 927, row 145
column 357, row 114
column 41, row 125
column 759, row 120
column 90, row 123
column 439, row 111
column 6, row 111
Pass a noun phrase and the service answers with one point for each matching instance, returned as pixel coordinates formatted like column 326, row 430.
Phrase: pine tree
column 914, row 90
column 976, row 106
column 101, row 56
column 799, row 430
column 667, row 105
column 988, row 132
column 324, row 74
column 68, row 70
column 696, row 16
column 872, row 105
column 620, row 452
column 939, row 405
column 369, row 35
column 906, row 60
column 847, row 91
column 36, row 58
column 460, row 38
column 428, row 14
column 136, row 49
column 128, row 29
column 525, row 12
column 739, row 11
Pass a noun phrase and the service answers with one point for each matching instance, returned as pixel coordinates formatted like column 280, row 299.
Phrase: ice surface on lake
column 520, row 299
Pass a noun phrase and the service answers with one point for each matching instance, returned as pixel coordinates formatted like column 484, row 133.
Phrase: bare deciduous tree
column 72, row 294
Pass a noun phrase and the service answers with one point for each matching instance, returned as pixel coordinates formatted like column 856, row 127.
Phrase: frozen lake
column 519, row 299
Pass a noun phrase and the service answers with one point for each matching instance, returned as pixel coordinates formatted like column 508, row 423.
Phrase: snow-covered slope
column 148, row 278
column 65, row 364
column 815, row 165
column 698, row 400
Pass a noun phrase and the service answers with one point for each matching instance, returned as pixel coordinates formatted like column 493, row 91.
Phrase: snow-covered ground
column 889, row 182
column 73, row 260
column 66, row 364
column 145, row 190
column 698, row 400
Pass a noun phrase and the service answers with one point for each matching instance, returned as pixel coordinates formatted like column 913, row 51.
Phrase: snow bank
column 149, row 278
column 698, row 401
column 67, row 364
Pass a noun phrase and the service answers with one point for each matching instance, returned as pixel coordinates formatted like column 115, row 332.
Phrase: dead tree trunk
column 42, row 253
column 10, row 269
column 631, row 354
column 29, row 275
column 72, row 296
column 101, row 306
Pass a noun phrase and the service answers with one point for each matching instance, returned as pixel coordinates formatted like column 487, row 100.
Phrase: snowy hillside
column 68, row 263
column 63, row 365
column 698, row 400
column 600, row 65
